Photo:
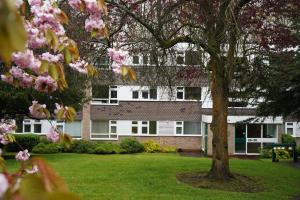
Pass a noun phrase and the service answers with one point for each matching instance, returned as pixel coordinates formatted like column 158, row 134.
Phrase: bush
column 298, row 151
column 43, row 148
column 168, row 149
column 152, row 146
column 26, row 141
column 265, row 153
column 287, row 139
column 105, row 148
column 131, row 145
column 81, row 146
column 281, row 153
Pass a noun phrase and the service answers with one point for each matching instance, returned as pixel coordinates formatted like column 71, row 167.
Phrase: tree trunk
column 219, row 89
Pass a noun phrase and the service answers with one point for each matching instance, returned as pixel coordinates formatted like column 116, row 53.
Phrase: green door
column 240, row 138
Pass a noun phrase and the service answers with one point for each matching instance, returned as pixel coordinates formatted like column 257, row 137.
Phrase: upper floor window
column 135, row 59
column 179, row 127
column 180, row 58
column 192, row 58
column 179, row 93
column 135, row 94
column 145, row 94
column 192, row 93
column 113, row 94
column 153, row 93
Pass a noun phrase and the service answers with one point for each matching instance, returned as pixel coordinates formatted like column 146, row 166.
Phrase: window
column 192, row 58
column 113, row 127
column 289, row 128
column 144, row 127
column 134, row 128
column 179, row 127
column 237, row 104
column 192, row 93
column 37, row 128
column 192, row 128
column 290, row 131
column 152, row 127
column 74, row 129
column 135, row 59
column 153, row 93
column 100, row 91
column 145, row 59
column 100, row 126
column 113, row 94
column 145, row 94
column 180, row 92
column 180, row 58
column 135, row 94
column 269, row 131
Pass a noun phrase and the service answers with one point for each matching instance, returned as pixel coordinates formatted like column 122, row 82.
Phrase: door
column 240, row 138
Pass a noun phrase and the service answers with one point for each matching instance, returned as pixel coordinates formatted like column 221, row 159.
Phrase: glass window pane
column 135, row 59
column 135, row 94
column 60, row 128
column 113, row 94
column 152, row 128
column 192, row 128
column 100, row 91
column 253, row 147
column 193, row 93
column 254, row 130
column 134, row 122
column 19, row 124
column 145, row 94
column 113, row 129
column 74, row 128
column 144, row 130
column 179, row 95
column 269, row 130
column 134, row 130
column 290, row 131
column 144, row 122
column 27, row 128
column 153, row 93
column 100, row 126
column 178, row 130
column 145, row 59
column 180, row 59
column 37, row 128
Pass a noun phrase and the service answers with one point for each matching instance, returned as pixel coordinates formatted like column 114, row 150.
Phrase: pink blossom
column 35, row 2
column 94, row 22
column 52, row 58
column 34, row 170
column 117, row 56
column 53, row 135
column 3, row 185
column 75, row 4
column 6, row 127
column 45, row 84
column 25, row 79
column 36, row 110
column 79, row 66
column 7, row 78
column 116, row 68
column 26, row 60
column 16, row 72
column 92, row 6
column 3, row 139
column 22, row 156
column 36, row 38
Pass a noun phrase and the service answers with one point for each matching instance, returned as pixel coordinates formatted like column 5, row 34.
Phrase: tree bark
column 219, row 90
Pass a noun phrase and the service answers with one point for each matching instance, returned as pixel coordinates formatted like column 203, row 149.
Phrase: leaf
column 124, row 70
column 60, row 114
column 67, row 56
column 10, row 138
column 52, row 39
column 12, row 32
column 53, row 71
column 32, row 188
column 44, row 67
column 67, row 139
column 63, row 18
column 70, row 114
column 92, row 71
column 102, row 6
column 131, row 74
column 50, row 179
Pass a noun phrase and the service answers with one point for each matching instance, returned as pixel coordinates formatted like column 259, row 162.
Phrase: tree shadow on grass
column 239, row 183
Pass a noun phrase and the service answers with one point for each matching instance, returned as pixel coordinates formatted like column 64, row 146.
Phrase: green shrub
column 287, row 139
column 168, row 149
column 281, row 153
column 26, row 141
column 105, row 148
column 152, row 146
column 131, row 145
column 298, row 151
column 81, row 146
column 43, row 148
column 265, row 153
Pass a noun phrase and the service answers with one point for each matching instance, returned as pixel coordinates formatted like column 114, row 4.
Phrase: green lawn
column 153, row 176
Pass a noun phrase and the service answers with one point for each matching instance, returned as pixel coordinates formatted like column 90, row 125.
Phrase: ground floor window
column 32, row 126
column 142, row 127
column 103, row 129
column 73, row 128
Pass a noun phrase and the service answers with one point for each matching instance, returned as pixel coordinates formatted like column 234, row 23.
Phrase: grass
column 153, row 176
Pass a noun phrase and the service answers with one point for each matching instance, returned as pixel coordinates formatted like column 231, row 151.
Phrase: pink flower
column 36, row 39
column 7, row 78
column 94, row 22
column 45, row 84
column 92, row 6
column 22, row 156
column 117, row 56
column 34, row 170
column 26, row 60
column 53, row 135
column 6, row 127
column 3, row 139
column 75, row 4
column 36, row 110
column 52, row 58
column 35, row 2
column 3, row 185
column 26, row 81
column 16, row 72
column 79, row 66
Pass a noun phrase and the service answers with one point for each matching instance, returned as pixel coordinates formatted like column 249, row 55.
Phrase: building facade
column 177, row 115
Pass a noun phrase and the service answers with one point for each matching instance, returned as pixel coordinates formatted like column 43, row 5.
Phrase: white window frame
column 112, row 99
column 291, row 125
column 180, row 89
column 113, row 123
column 27, row 122
column 178, row 124
column 141, row 94
column 135, row 125
column 143, row 126
column 140, row 127
column 109, row 134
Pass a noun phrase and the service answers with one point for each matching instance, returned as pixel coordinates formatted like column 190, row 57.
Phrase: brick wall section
column 182, row 142
column 86, row 117
column 143, row 110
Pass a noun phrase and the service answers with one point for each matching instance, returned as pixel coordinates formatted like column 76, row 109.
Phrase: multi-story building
column 172, row 114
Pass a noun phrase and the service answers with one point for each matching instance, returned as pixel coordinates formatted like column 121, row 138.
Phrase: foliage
column 105, row 148
column 281, row 153
column 298, row 151
column 265, row 153
column 81, row 146
column 151, row 146
column 26, row 141
column 131, row 145
column 168, row 149
column 287, row 139
column 43, row 148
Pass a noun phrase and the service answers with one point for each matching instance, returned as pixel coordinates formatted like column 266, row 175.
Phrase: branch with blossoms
column 35, row 52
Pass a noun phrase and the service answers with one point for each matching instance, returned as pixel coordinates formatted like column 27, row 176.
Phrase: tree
column 224, row 30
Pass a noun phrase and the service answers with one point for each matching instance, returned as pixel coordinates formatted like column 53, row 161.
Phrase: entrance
column 250, row 138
